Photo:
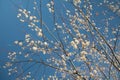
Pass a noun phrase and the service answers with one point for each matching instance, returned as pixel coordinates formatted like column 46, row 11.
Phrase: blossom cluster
column 73, row 44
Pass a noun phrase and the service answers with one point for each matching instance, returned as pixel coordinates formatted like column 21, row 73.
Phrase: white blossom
column 20, row 43
column 34, row 48
column 40, row 34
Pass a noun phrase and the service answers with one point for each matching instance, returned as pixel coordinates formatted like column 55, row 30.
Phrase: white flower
column 26, row 55
column 90, row 6
column 74, row 44
column 34, row 8
column 16, row 42
column 27, row 35
column 40, row 34
column 20, row 10
column 48, row 5
column 27, row 40
column 52, row 2
column 63, row 56
column 85, row 44
column 32, row 42
column 31, row 17
column 91, row 74
column 34, row 48
column 83, row 53
column 20, row 43
column 9, row 73
column 8, row 64
column 67, row 11
column 22, row 20
column 19, row 15
column 59, row 27
column 45, row 43
column 95, row 71
column 44, row 51
column 50, row 10
column 76, row 41
column 76, row 2
column 83, row 58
